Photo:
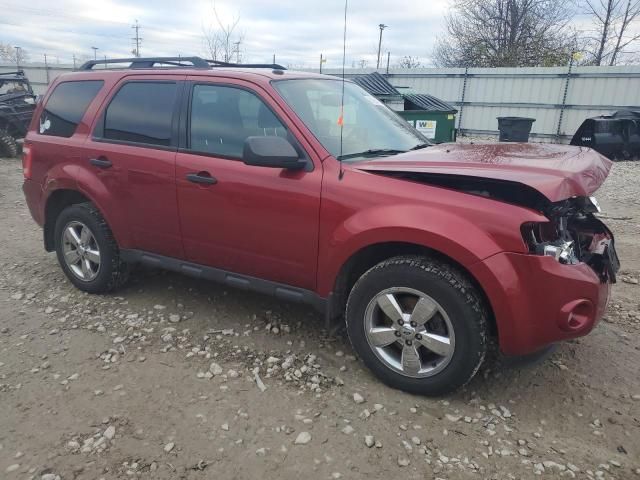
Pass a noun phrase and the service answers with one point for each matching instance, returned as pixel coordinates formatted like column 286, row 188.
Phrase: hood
column 556, row 171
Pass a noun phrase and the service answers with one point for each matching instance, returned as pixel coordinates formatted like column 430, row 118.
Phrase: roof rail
column 273, row 66
column 150, row 62
column 175, row 62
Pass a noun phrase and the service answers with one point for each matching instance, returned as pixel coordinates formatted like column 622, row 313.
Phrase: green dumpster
column 431, row 116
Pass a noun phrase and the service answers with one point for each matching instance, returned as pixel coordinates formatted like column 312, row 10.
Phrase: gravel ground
column 172, row 378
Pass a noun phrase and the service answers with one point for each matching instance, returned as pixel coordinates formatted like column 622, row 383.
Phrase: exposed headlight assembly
column 542, row 239
column 563, row 252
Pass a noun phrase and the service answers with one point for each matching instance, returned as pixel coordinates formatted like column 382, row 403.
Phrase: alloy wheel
column 81, row 251
column 409, row 332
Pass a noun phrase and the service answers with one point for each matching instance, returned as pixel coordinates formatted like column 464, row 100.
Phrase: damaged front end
column 574, row 234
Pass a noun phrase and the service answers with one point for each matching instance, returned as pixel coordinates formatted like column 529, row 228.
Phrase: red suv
column 308, row 188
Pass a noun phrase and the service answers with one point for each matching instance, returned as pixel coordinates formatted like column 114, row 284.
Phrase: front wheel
column 418, row 324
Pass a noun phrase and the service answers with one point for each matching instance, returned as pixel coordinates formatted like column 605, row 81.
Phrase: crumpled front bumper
column 538, row 301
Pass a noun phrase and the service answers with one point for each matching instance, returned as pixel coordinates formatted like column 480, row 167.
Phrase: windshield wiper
column 420, row 146
column 374, row 152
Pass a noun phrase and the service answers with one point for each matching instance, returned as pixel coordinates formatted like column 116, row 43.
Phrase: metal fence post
column 464, row 91
column 564, row 97
column 46, row 68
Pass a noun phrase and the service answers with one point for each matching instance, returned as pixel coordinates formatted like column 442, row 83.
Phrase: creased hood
column 556, row 171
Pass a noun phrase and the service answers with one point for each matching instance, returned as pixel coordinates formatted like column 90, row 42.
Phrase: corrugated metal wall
column 524, row 92
column 494, row 92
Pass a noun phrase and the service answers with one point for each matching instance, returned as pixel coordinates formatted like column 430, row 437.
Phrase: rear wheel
column 418, row 324
column 87, row 251
column 8, row 145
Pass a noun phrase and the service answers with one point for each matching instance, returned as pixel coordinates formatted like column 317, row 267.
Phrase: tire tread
column 8, row 145
column 119, row 269
column 455, row 278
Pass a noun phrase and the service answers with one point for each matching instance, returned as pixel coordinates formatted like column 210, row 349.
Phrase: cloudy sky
column 296, row 31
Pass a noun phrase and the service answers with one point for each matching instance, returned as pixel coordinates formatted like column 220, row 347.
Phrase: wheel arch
column 11, row 126
column 56, row 202
column 69, row 185
column 368, row 256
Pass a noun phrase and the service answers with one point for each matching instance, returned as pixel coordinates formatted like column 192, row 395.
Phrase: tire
column 105, row 275
column 8, row 145
column 457, row 320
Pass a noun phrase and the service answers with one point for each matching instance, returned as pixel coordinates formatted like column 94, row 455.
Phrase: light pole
column 95, row 52
column 382, row 26
column 18, row 49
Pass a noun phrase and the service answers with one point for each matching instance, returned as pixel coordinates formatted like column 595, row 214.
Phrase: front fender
column 458, row 237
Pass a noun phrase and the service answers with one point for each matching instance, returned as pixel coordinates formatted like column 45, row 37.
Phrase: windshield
column 13, row 86
column 369, row 128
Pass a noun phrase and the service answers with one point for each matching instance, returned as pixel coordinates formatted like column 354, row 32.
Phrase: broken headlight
column 546, row 240
column 564, row 252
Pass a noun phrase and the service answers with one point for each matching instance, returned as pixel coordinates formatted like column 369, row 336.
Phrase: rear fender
column 92, row 186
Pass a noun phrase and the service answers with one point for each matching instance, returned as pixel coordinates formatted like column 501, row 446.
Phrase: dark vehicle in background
column 615, row 136
column 17, row 103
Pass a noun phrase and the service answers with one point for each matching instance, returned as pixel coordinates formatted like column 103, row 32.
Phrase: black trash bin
column 515, row 129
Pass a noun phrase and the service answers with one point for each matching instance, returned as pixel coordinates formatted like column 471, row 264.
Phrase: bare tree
column 222, row 40
column 506, row 33
column 363, row 63
column 409, row 62
column 9, row 53
column 612, row 39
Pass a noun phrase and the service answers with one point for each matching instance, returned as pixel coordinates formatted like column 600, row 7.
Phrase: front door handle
column 100, row 162
column 202, row 178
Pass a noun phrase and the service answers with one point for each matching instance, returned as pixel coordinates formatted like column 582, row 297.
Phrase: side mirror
column 274, row 152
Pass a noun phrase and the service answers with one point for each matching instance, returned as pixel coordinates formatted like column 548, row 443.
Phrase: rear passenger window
column 66, row 106
column 141, row 112
column 223, row 117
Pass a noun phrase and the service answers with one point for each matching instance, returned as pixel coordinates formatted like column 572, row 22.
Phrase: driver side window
column 223, row 117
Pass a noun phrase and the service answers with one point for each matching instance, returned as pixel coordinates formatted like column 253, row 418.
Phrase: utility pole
column 322, row 60
column 274, row 58
column 18, row 54
column 95, row 52
column 46, row 67
column 237, row 44
column 74, row 61
column 382, row 26
column 136, row 39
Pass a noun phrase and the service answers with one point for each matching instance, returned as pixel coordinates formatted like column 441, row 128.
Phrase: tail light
column 27, row 160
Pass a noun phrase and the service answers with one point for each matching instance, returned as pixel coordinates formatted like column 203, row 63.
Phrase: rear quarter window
column 66, row 107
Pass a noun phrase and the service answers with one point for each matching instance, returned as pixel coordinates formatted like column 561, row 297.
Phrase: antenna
column 341, row 119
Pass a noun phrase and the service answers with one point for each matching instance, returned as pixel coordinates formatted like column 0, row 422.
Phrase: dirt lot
column 117, row 386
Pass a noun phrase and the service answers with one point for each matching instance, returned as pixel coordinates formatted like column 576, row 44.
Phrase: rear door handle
column 202, row 178
column 100, row 162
